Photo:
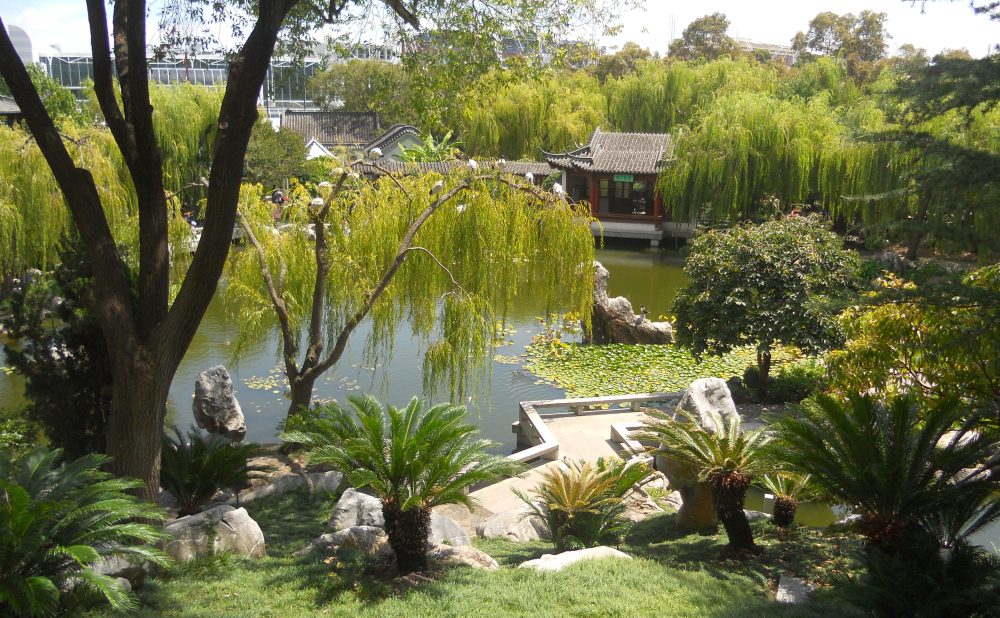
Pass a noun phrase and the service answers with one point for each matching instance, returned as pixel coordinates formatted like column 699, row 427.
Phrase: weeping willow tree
column 554, row 111
column 33, row 216
column 447, row 254
column 661, row 95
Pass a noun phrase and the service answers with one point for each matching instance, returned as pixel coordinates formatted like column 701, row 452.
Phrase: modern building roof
column 336, row 128
column 391, row 136
column 617, row 153
column 8, row 107
column 539, row 170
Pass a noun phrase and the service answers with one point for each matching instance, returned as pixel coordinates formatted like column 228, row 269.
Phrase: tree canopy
column 705, row 39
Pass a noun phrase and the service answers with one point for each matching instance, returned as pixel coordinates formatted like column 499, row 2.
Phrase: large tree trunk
column 409, row 536
column 135, row 429
column 301, row 390
column 763, row 370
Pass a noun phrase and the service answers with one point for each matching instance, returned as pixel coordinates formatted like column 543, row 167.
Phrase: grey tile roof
column 8, row 106
column 539, row 170
column 617, row 153
column 336, row 128
column 392, row 135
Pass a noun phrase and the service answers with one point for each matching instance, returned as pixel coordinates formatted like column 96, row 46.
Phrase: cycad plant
column 412, row 459
column 57, row 521
column 788, row 488
column 195, row 467
column 727, row 457
column 582, row 502
column 908, row 471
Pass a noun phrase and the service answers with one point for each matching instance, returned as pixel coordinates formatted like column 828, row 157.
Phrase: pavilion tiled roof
column 392, row 135
column 617, row 153
column 336, row 128
column 539, row 170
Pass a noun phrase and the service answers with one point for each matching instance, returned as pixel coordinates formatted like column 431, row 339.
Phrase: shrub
column 788, row 488
column 727, row 457
column 791, row 384
column 57, row 521
column 581, row 503
column 18, row 435
column 412, row 460
column 194, row 469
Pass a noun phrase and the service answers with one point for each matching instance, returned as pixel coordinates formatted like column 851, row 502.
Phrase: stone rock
column 755, row 515
column 467, row 555
column 368, row 539
column 216, row 530
column 614, row 320
column 468, row 519
column 215, row 407
column 706, row 395
column 356, row 509
column 557, row 562
column 119, row 567
column 518, row 524
column 851, row 523
column 446, row 531
column 793, row 590
column 124, row 584
column 640, row 505
column 952, row 439
column 327, row 482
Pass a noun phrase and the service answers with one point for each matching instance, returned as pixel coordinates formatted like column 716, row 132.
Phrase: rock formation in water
column 215, row 407
column 614, row 320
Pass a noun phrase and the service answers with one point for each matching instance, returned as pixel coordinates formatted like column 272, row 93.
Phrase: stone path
column 585, row 437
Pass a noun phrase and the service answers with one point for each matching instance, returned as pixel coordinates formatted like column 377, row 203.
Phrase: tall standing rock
column 614, row 320
column 215, row 407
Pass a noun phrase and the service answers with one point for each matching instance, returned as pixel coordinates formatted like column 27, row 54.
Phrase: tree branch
column 404, row 13
column 275, row 292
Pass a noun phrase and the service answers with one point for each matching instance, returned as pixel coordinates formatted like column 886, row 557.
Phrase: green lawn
column 672, row 575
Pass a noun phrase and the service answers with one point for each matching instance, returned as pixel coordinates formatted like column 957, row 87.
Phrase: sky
column 62, row 24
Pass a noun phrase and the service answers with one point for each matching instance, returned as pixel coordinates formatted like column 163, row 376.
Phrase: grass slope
column 672, row 575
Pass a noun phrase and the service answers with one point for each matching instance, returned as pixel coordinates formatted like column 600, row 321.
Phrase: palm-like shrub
column 195, row 468
column 57, row 521
column 726, row 457
column 788, row 488
column 581, row 502
column 412, row 459
column 884, row 460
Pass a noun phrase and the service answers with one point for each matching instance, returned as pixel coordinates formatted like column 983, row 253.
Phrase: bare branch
column 454, row 281
column 404, row 13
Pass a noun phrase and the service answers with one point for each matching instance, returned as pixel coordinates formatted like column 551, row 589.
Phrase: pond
column 649, row 278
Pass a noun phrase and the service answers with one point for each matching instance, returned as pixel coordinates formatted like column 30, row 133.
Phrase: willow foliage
column 470, row 259
column 33, row 215
column 554, row 112
column 659, row 96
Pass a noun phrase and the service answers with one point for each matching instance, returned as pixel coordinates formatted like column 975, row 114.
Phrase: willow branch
column 454, row 281
column 287, row 338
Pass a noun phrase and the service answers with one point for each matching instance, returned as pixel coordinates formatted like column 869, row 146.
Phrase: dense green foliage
column 59, row 101
column 18, row 435
column 56, row 521
column 923, row 478
column 62, row 354
column 429, row 149
column 366, row 85
column 193, row 468
column 582, row 503
column 936, row 338
column 722, row 454
column 705, row 39
column 792, row 383
column 412, row 459
column 762, row 285
column 859, row 40
column 274, row 157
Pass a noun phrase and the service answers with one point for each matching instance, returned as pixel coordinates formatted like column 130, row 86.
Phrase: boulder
column 220, row 529
column 755, row 515
column 557, row 562
column 518, row 524
column 446, row 531
column 850, row 523
column 467, row 555
column 215, row 407
column 468, row 519
column 367, row 539
column 706, row 395
column 640, row 505
column 327, row 482
column 614, row 320
column 118, row 567
column 356, row 509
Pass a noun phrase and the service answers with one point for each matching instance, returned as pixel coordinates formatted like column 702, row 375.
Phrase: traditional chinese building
column 616, row 173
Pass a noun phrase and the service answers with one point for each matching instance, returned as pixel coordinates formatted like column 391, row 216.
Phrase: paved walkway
column 585, row 437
